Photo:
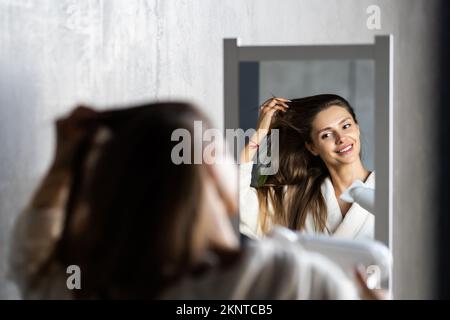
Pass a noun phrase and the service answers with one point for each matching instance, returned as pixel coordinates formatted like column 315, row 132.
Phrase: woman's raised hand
column 266, row 114
column 267, row 111
column 70, row 132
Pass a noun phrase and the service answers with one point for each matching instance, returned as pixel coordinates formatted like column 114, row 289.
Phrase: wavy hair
column 299, row 170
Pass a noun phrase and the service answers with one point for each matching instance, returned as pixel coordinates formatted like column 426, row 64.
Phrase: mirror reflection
column 322, row 112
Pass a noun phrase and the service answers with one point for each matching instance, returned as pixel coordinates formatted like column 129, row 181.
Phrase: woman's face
column 335, row 137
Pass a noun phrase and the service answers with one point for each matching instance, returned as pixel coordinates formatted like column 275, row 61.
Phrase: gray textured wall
column 55, row 53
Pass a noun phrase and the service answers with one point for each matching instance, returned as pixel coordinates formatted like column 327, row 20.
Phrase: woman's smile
column 345, row 150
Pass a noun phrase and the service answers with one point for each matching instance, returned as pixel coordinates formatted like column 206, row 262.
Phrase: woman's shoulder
column 264, row 270
column 271, row 248
column 289, row 263
column 282, row 256
column 271, row 268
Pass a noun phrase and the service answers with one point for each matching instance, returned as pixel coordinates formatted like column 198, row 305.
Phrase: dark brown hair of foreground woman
column 133, row 224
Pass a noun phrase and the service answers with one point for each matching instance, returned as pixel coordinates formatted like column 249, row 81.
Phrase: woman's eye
column 326, row 135
column 347, row 126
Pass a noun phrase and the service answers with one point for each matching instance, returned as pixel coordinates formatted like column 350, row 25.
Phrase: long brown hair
column 138, row 236
column 299, row 170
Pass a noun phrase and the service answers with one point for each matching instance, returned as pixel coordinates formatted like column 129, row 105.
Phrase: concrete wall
column 55, row 53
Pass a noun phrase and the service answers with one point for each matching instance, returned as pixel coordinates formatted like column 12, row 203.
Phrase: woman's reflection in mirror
column 319, row 158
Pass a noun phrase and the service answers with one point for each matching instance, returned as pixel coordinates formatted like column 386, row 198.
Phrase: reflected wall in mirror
column 361, row 74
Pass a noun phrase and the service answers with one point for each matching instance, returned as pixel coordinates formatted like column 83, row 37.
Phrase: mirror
column 360, row 73
column 351, row 79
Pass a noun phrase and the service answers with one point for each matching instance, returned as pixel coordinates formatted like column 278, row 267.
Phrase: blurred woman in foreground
column 141, row 227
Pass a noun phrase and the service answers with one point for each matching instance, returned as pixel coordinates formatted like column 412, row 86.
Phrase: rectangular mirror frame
column 381, row 52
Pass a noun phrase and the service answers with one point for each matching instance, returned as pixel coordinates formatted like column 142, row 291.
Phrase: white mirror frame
column 381, row 52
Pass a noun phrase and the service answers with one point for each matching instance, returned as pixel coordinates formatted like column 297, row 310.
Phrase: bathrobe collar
column 354, row 220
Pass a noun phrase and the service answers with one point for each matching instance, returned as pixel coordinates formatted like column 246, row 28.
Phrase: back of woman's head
column 131, row 222
column 298, row 167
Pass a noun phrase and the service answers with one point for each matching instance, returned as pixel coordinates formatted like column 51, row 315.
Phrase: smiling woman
column 319, row 158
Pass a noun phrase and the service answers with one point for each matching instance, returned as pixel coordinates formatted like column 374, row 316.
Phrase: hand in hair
column 71, row 131
column 266, row 115
column 267, row 111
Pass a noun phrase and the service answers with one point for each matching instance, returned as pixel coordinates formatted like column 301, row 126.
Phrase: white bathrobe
column 274, row 268
column 357, row 223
